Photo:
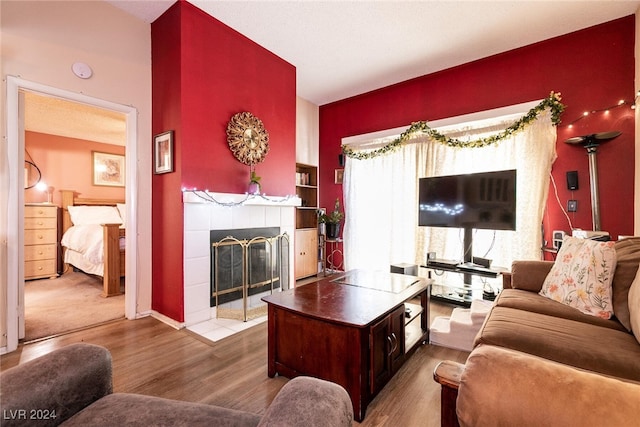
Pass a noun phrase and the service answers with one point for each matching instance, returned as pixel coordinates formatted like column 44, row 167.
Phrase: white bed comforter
column 87, row 240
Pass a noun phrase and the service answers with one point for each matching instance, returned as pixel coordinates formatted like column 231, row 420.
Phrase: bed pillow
column 634, row 306
column 581, row 276
column 88, row 215
column 122, row 210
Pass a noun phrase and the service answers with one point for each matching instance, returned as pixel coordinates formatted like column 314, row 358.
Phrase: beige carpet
column 67, row 303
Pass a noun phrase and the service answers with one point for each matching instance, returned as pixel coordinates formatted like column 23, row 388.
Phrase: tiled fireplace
column 204, row 212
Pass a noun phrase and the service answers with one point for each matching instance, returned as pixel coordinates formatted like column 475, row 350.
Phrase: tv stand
column 467, row 256
column 463, row 294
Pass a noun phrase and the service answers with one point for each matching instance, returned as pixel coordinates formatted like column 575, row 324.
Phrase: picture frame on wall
column 163, row 152
column 339, row 176
column 108, row 169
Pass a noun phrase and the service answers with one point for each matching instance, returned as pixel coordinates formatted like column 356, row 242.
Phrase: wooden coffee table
column 353, row 330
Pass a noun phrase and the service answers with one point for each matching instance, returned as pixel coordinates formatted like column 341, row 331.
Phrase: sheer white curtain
column 381, row 226
column 380, row 209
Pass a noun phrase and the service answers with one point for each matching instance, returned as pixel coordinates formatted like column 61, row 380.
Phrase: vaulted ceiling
column 344, row 48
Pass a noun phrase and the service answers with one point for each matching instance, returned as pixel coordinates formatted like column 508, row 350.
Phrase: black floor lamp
column 591, row 143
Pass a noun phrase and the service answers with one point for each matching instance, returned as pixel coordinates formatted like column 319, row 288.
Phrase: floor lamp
column 591, row 143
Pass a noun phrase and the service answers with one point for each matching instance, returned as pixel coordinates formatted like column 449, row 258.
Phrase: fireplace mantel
column 232, row 199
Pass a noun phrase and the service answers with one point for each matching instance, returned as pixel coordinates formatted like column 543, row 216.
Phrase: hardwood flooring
column 152, row 358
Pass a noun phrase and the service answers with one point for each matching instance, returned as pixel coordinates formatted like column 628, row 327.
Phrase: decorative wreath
column 247, row 138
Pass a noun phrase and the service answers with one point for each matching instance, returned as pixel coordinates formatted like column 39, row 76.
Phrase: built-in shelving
column 306, row 238
column 307, row 191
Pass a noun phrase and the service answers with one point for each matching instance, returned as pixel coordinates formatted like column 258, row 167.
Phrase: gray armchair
column 73, row 386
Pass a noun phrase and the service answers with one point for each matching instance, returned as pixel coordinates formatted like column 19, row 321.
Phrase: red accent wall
column 203, row 72
column 592, row 69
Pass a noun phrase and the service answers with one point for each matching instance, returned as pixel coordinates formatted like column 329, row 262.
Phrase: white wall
column 307, row 132
column 40, row 42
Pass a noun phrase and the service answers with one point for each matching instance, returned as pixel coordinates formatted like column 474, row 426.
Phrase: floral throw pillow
column 581, row 276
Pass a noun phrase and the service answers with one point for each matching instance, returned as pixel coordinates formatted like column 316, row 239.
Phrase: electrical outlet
column 572, row 205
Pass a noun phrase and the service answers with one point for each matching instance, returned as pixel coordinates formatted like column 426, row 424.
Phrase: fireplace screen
column 247, row 264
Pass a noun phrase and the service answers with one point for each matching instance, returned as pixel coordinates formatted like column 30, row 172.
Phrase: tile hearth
column 217, row 329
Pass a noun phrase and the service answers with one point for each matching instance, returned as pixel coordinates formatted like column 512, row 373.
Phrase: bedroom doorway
column 61, row 139
column 16, row 88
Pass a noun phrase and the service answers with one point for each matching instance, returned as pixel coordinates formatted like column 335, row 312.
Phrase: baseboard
column 169, row 321
column 140, row 315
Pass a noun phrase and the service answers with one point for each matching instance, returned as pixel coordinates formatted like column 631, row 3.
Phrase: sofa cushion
column 628, row 258
column 581, row 276
column 595, row 348
column 58, row 384
column 535, row 303
column 529, row 275
column 634, row 306
column 502, row 387
column 122, row 409
column 310, row 402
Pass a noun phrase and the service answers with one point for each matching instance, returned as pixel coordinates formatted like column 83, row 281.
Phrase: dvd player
column 442, row 263
column 473, row 268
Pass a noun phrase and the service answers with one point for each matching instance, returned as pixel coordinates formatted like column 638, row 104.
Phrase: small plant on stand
column 332, row 221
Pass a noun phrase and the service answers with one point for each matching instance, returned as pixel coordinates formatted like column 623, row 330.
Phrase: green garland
column 552, row 102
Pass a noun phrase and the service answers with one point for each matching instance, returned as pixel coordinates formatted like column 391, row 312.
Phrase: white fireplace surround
column 201, row 216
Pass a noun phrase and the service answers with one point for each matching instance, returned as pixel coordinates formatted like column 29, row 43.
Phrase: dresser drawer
column 40, row 252
column 42, row 268
column 40, row 237
column 39, row 223
column 40, row 211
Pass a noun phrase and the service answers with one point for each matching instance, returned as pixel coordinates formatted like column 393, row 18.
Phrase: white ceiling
column 345, row 48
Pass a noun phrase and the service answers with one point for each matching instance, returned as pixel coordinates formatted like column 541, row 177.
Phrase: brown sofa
column 538, row 362
column 73, row 386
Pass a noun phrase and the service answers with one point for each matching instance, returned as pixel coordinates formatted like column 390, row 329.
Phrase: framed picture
column 339, row 176
column 108, row 169
column 163, row 152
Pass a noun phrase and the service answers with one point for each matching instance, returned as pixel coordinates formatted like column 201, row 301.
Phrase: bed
column 93, row 238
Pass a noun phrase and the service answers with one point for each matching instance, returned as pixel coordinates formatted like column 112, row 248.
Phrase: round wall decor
column 247, row 138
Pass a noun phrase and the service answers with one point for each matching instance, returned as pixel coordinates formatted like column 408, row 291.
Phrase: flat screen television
column 480, row 200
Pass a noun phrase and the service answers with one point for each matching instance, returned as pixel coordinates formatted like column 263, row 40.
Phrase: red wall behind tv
column 592, row 69
column 204, row 72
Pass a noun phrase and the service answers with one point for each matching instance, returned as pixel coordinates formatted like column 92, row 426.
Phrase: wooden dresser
column 41, row 241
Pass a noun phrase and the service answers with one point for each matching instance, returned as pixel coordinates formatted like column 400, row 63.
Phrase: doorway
column 15, row 324
column 63, row 140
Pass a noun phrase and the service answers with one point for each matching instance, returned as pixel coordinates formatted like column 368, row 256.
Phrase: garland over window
column 552, row 102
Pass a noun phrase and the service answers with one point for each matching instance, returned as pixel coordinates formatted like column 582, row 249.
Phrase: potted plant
column 332, row 221
column 254, row 183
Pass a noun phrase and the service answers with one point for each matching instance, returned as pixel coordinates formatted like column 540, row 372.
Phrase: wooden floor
column 152, row 358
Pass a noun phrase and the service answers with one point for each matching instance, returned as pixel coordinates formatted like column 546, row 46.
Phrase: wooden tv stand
column 352, row 330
